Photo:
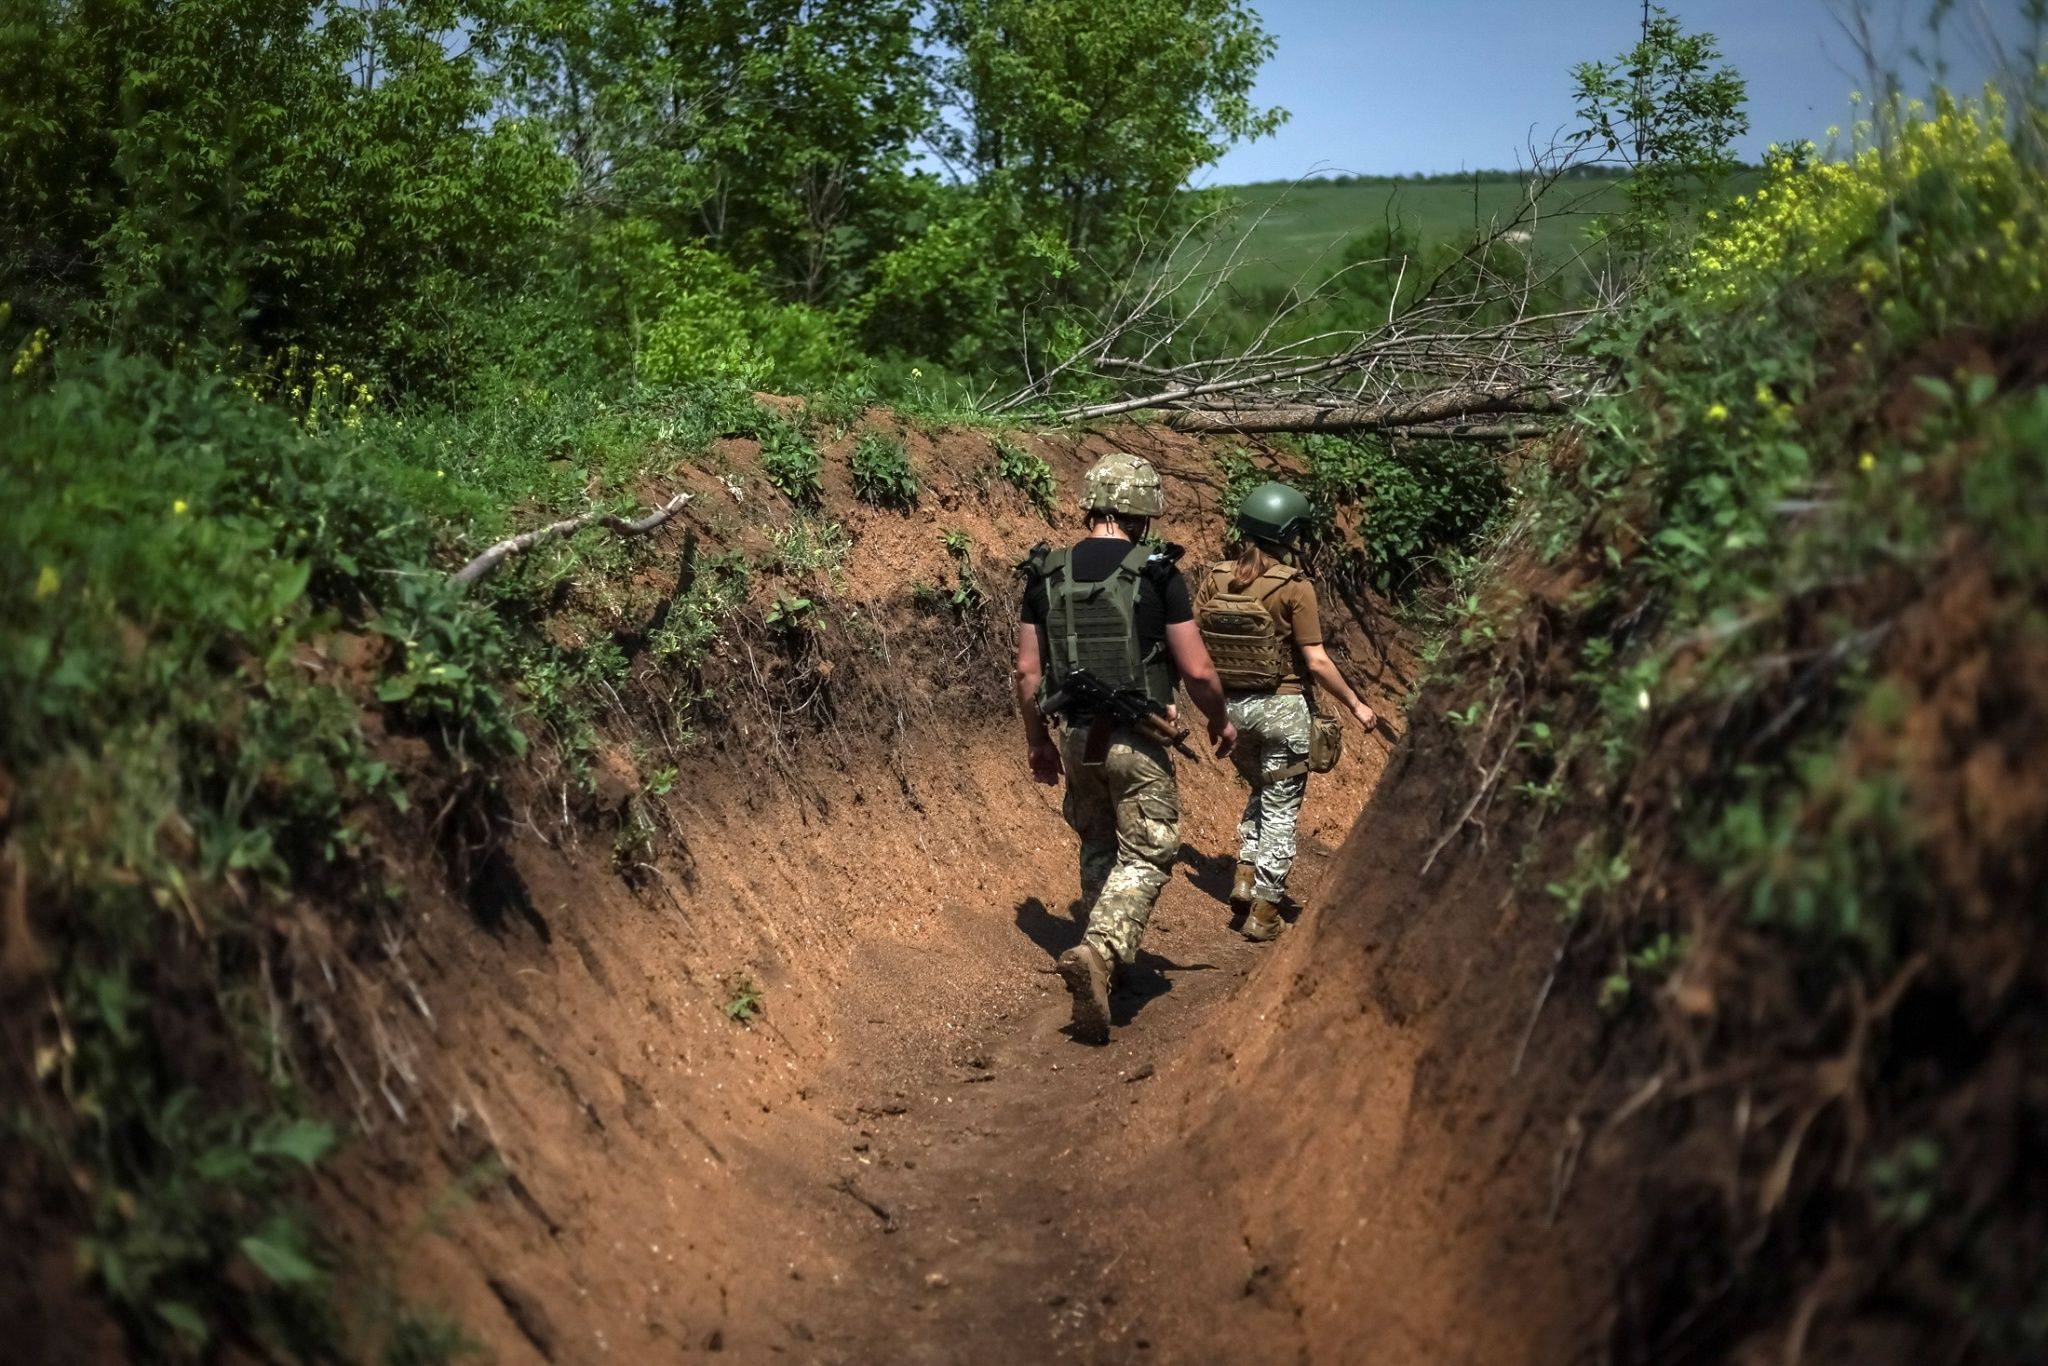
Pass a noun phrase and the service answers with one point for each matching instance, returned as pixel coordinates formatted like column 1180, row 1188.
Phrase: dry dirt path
column 985, row 1195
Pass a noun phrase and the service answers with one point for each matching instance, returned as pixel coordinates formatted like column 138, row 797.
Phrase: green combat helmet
column 1274, row 513
column 1123, row 483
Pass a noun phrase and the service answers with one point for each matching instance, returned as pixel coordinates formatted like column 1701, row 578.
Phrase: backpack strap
column 1274, row 579
column 1054, row 569
column 1132, row 570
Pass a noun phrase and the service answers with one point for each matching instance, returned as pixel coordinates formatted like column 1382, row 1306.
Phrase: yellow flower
column 1866, row 462
column 1717, row 413
column 47, row 582
column 179, row 508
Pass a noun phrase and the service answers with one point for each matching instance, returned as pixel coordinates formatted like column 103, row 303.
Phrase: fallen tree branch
column 1436, row 413
column 504, row 550
column 1489, row 331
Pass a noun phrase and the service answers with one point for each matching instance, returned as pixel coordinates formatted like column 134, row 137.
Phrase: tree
column 264, row 172
column 1668, row 110
column 773, row 131
column 1070, row 131
column 1099, row 113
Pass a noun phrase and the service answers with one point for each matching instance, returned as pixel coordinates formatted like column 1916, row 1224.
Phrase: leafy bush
column 1241, row 474
column 178, row 177
column 1028, row 473
column 714, row 322
column 174, row 569
column 791, row 462
column 1770, row 570
column 1430, row 498
column 881, row 472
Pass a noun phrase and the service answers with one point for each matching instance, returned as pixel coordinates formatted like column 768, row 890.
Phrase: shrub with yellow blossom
column 315, row 390
column 1933, row 218
column 1763, row 525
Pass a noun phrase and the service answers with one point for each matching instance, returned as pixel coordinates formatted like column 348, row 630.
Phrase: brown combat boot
column 1086, row 974
column 1241, row 890
column 1263, row 922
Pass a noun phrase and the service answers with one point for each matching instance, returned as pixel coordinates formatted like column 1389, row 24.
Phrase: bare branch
column 490, row 559
column 1472, row 338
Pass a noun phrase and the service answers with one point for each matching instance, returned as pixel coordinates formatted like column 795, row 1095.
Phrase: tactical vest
column 1093, row 627
column 1242, row 636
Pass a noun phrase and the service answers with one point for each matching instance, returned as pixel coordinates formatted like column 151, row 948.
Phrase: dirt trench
column 796, row 1084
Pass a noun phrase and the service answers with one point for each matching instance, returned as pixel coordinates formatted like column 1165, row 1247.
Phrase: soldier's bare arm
column 1324, row 671
column 1029, row 669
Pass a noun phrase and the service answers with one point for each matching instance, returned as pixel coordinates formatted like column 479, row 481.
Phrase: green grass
column 1299, row 230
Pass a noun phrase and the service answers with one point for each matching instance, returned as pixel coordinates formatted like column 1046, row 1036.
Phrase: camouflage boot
column 1241, row 890
column 1263, row 922
column 1087, row 977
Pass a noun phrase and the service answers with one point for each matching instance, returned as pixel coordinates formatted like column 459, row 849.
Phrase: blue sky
column 1382, row 86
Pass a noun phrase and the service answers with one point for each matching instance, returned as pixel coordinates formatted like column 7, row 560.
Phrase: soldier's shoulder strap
column 1038, row 562
column 1273, row 580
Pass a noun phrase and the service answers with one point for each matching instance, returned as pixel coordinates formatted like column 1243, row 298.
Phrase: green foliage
column 1241, row 474
column 1669, row 111
column 453, row 198
column 1654, row 961
column 745, row 1002
column 791, row 462
column 699, row 615
column 1028, row 473
column 807, row 546
column 218, row 172
column 881, row 471
column 706, row 320
column 966, row 595
column 1417, row 501
column 449, row 671
column 1906, row 1182
column 1769, row 568
column 775, row 133
column 175, row 568
column 790, row 614
column 1031, row 93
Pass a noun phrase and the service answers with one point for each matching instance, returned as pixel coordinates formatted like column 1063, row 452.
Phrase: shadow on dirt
column 1210, row 874
column 1147, row 979
column 1053, row 933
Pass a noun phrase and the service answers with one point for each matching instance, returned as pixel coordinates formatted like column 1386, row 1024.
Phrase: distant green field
column 1304, row 227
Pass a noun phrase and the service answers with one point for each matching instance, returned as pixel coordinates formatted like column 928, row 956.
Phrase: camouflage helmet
column 1123, row 483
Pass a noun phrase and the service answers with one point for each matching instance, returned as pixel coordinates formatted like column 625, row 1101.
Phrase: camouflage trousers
column 1127, row 812
column 1272, row 734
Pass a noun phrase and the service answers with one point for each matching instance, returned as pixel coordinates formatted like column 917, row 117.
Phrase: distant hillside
column 1300, row 228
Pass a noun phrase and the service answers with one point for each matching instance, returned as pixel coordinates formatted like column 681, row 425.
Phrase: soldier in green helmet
column 1258, row 616
column 1107, row 633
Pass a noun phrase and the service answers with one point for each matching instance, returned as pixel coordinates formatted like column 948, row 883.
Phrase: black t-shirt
column 1162, row 593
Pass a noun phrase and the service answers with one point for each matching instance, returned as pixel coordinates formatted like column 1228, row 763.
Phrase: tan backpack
column 1242, row 636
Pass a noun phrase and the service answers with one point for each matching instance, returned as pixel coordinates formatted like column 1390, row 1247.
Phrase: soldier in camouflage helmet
column 1114, row 612
column 1122, row 483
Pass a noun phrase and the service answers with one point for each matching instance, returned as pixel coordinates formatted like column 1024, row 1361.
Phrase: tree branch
column 1437, row 413
column 504, row 550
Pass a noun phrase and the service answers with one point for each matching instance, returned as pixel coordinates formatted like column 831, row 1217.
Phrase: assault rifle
column 1083, row 692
